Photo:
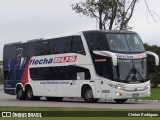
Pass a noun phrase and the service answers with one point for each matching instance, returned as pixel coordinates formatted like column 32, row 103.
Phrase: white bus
column 89, row 65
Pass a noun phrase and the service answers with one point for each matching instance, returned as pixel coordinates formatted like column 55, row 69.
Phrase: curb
column 135, row 100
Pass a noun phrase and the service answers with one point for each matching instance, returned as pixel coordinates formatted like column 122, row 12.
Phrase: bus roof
column 79, row 33
column 108, row 31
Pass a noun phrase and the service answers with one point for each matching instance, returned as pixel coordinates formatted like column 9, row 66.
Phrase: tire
column 29, row 94
column 20, row 93
column 120, row 101
column 54, row 98
column 87, row 95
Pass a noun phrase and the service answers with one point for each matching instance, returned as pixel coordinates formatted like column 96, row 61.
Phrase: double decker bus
column 91, row 65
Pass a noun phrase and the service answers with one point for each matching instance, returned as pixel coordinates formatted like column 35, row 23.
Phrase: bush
column 155, row 80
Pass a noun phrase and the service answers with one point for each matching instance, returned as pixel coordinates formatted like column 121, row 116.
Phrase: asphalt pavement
column 10, row 100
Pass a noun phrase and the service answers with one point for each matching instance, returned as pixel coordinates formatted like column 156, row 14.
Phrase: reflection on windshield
column 125, row 43
column 130, row 71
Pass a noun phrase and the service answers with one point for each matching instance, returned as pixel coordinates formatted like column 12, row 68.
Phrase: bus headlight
column 118, row 94
column 148, row 86
column 119, row 87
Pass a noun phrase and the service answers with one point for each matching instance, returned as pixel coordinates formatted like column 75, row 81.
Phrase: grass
column 53, row 110
column 155, row 94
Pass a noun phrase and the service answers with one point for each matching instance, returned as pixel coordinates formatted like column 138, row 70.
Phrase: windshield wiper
column 140, row 76
column 129, row 74
column 132, row 73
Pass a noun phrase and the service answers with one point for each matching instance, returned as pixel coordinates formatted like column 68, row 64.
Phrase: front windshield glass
column 130, row 71
column 125, row 42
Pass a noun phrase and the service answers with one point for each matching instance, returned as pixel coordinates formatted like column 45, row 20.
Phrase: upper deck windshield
column 125, row 42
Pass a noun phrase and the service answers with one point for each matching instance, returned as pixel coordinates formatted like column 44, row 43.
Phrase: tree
column 111, row 14
column 108, row 13
column 95, row 9
column 124, row 14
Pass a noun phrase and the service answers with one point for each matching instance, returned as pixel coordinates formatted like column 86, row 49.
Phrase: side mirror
column 155, row 55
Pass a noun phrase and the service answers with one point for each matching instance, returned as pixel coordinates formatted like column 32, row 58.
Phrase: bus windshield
column 125, row 42
column 130, row 71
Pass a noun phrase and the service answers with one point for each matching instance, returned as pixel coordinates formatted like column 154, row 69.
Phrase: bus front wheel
column 87, row 95
column 120, row 100
column 29, row 94
column 20, row 93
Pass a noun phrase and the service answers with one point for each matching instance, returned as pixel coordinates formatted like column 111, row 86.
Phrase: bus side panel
column 15, row 71
column 9, row 76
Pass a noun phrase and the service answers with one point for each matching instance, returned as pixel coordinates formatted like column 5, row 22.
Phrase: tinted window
column 125, row 42
column 13, row 51
column 117, row 42
column 59, row 73
column 103, row 66
column 7, row 52
column 21, row 50
column 33, row 48
column 96, row 41
column 135, row 43
column 77, row 45
column 6, row 75
column 61, row 45
column 39, row 48
column 44, row 48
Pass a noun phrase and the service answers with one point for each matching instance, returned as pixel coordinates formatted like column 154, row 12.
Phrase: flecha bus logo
column 48, row 61
column 65, row 59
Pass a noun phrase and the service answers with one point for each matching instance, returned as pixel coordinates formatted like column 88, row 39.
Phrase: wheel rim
column 29, row 93
column 89, row 94
column 20, row 92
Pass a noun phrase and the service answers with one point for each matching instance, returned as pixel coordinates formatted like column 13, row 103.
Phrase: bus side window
column 77, row 45
column 13, row 52
column 86, row 72
column 44, row 48
column 33, row 48
column 96, row 42
column 39, row 48
column 74, row 70
column 59, row 45
column 7, row 52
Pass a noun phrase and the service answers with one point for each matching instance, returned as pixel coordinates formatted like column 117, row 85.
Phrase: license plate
column 135, row 95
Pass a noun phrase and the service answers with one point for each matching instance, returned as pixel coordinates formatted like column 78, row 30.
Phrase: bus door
column 10, row 64
column 9, row 76
column 74, row 83
column 79, row 75
column 103, row 67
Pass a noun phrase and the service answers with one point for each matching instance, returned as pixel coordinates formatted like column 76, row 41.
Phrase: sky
column 22, row 20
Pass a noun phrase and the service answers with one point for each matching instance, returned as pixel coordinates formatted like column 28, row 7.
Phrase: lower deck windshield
column 130, row 71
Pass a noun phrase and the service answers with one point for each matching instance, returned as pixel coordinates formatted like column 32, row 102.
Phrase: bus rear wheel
column 120, row 100
column 29, row 94
column 87, row 95
column 20, row 93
